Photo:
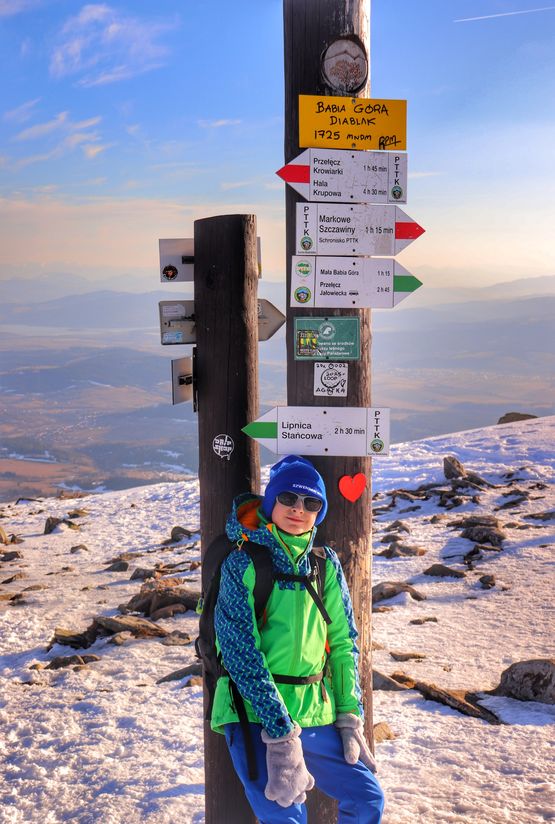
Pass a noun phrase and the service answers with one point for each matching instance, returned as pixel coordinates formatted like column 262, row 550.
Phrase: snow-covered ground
column 106, row 743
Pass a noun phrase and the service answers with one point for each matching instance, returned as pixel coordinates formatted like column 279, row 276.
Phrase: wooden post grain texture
column 226, row 317
column 310, row 26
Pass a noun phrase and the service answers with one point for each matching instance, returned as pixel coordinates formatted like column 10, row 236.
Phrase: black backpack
column 205, row 643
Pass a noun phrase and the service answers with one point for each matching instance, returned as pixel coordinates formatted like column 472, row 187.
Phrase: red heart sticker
column 352, row 487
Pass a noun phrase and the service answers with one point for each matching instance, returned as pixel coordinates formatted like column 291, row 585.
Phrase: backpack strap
column 213, row 558
column 303, row 679
column 317, row 575
column 318, row 566
column 241, row 710
column 316, row 596
column 264, row 575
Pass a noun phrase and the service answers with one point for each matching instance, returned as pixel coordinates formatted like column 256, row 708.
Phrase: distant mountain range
column 48, row 288
column 83, row 378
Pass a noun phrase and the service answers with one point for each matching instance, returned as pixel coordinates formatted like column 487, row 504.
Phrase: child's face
column 293, row 519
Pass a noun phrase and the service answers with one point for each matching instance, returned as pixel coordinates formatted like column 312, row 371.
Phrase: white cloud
column 217, row 124
column 41, row 129
column 91, row 13
column 74, row 140
column 86, row 124
column 48, row 189
column 419, row 175
column 502, row 14
column 238, row 184
column 22, row 113
column 73, row 135
column 36, row 158
column 125, row 72
column 54, row 229
column 100, row 45
column 94, row 149
column 9, row 8
column 26, row 47
column 96, row 181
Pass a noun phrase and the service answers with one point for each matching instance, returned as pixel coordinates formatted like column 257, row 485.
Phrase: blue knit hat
column 294, row 474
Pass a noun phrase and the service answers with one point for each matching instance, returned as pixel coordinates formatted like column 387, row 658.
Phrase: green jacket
column 291, row 639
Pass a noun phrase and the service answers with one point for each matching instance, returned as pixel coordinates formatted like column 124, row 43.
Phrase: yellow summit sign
column 352, row 123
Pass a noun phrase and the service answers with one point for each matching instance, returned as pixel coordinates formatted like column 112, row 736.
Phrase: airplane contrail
column 503, row 14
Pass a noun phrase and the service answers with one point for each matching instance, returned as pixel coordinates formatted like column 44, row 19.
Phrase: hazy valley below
column 86, row 393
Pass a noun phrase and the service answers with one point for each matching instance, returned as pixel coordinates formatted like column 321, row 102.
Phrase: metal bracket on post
column 195, row 382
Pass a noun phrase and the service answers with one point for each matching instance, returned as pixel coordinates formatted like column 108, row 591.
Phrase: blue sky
column 123, row 122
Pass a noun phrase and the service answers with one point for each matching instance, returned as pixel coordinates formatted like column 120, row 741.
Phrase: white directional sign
column 177, row 321
column 178, row 325
column 357, row 229
column 323, row 430
column 336, row 176
column 182, row 380
column 176, row 259
column 355, row 282
column 270, row 319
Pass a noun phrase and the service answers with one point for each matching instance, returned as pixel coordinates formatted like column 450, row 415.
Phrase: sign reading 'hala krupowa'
column 337, row 176
column 352, row 123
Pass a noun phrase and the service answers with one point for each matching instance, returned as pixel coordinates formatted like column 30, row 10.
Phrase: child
column 294, row 671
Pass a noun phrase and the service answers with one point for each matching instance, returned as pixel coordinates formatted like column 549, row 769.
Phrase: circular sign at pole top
column 344, row 65
column 223, row 446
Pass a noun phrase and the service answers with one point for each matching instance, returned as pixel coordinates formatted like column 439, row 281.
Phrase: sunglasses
column 291, row 499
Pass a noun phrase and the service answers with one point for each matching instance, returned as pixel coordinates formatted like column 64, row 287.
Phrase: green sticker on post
column 333, row 339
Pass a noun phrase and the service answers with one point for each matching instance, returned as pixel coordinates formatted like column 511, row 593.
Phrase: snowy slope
column 105, row 743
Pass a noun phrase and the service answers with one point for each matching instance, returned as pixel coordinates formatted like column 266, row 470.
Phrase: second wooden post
column 226, row 309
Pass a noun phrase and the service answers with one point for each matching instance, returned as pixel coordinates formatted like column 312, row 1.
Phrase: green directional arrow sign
column 405, row 283
column 349, row 282
column 261, row 429
column 323, row 430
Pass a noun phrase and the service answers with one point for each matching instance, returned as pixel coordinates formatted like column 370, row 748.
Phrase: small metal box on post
column 226, row 320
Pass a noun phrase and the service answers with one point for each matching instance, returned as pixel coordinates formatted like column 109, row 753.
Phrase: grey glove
column 355, row 747
column 288, row 777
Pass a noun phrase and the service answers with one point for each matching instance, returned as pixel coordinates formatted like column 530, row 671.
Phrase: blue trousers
column 353, row 785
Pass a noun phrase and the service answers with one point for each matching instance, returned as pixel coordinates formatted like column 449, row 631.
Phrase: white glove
column 288, row 778
column 355, row 747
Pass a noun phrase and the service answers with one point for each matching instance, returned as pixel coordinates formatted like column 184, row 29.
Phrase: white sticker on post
column 173, row 310
column 223, row 445
column 330, row 379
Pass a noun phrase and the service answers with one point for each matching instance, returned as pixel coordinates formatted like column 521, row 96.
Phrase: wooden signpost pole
column 312, row 68
column 226, row 282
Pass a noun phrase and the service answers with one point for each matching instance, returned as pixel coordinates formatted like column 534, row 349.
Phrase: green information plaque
column 333, row 339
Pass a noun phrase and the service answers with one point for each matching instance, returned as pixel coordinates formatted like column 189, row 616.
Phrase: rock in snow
column 388, row 589
column 529, row 681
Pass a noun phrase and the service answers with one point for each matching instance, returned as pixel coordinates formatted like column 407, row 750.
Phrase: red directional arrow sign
column 358, row 229
column 336, row 176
